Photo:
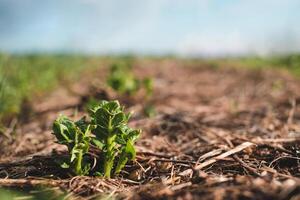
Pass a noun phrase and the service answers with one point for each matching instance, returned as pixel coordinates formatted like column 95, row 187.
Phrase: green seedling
column 117, row 138
column 148, row 85
column 107, row 130
column 76, row 136
column 149, row 110
column 122, row 80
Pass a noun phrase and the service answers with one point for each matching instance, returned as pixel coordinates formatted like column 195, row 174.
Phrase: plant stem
column 121, row 163
column 78, row 162
column 109, row 157
column 108, row 163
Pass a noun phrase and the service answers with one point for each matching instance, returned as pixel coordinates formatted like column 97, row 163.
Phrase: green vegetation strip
column 23, row 78
column 288, row 62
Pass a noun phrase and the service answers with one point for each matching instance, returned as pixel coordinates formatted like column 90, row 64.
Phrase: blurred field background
column 27, row 77
column 24, row 78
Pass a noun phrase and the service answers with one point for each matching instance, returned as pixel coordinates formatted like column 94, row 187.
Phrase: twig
column 278, row 140
column 11, row 128
column 209, row 155
column 162, row 155
column 181, row 186
column 282, row 157
column 245, row 165
column 224, row 155
column 279, row 148
column 274, row 171
column 128, row 181
column 174, row 161
column 22, row 182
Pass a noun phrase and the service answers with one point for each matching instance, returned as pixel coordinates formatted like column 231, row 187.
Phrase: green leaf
column 76, row 136
column 82, row 124
column 113, row 107
column 98, row 143
column 100, row 132
column 65, row 165
column 119, row 119
column 133, row 135
column 128, row 153
column 99, row 174
column 102, row 117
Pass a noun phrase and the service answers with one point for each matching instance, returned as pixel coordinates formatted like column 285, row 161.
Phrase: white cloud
column 236, row 44
column 213, row 44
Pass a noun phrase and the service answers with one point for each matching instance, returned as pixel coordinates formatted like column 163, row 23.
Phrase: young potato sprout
column 107, row 130
column 111, row 130
column 76, row 136
column 123, row 81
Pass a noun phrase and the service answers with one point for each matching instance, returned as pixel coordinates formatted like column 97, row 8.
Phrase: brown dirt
column 202, row 113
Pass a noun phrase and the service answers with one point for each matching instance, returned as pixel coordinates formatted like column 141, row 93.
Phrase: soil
column 218, row 133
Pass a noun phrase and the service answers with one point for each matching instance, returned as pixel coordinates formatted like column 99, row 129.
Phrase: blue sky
column 184, row 27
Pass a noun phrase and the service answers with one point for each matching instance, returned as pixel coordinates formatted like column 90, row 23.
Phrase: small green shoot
column 107, row 130
column 112, row 131
column 122, row 80
column 149, row 110
column 148, row 85
column 76, row 136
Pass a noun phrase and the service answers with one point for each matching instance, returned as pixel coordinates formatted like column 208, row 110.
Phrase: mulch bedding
column 226, row 133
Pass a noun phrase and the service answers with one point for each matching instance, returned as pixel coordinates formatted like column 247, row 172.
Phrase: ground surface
column 219, row 133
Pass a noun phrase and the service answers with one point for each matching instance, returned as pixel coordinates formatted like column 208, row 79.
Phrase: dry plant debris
column 218, row 134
